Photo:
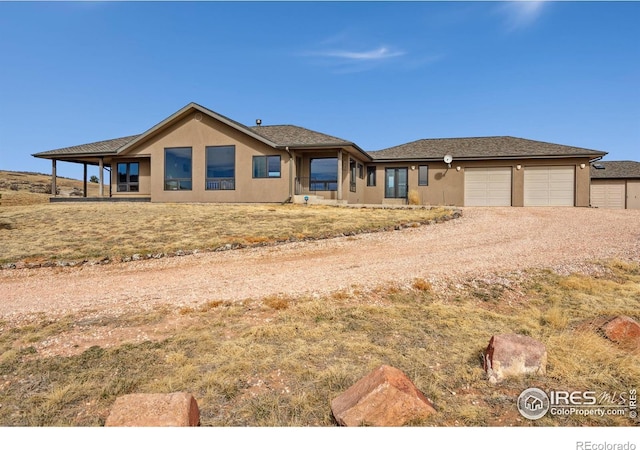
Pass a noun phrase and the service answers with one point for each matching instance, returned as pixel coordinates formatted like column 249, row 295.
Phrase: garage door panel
column 487, row 186
column 549, row 186
column 608, row 194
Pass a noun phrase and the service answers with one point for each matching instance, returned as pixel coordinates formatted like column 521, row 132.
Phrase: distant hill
column 26, row 188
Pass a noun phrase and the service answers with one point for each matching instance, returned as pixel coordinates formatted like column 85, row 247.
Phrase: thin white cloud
column 379, row 53
column 522, row 14
column 341, row 60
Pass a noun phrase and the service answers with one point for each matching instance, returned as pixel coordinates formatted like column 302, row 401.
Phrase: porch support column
column 54, row 188
column 101, row 169
column 84, row 179
column 292, row 172
column 340, row 174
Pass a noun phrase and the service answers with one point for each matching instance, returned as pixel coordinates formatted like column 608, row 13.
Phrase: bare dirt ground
column 483, row 243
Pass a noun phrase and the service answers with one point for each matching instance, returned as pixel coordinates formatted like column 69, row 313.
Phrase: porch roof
column 99, row 148
column 295, row 136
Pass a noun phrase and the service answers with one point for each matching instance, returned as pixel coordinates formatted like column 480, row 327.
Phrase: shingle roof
column 107, row 147
column 294, row 136
column 480, row 148
column 616, row 169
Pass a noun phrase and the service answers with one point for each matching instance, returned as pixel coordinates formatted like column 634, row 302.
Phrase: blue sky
column 376, row 73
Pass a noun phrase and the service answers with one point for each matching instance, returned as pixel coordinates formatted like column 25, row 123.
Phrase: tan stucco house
column 615, row 184
column 198, row 155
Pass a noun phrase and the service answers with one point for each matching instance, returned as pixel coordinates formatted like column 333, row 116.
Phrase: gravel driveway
column 484, row 241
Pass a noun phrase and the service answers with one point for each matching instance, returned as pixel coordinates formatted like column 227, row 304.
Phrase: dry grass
column 80, row 231
column 279, row 362
column 27, row 188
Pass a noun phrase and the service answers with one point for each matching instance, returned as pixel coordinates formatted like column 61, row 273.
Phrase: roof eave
column 487, row 158
column 62, row 156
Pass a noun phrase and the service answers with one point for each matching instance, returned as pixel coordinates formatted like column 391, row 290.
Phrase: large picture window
column 177, row 169
column 128, row 177
column 221, row 168
column 324, row 174
column 266, row 166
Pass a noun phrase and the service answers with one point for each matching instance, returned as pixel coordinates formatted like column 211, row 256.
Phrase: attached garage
column 487, row 186
column 615, row 184
column 549, row 186
column 608, row 194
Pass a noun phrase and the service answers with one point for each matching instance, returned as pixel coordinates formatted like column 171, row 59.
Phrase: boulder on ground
column 384, row 397
column 513, row 355
column 178, row 409
column 623, row 330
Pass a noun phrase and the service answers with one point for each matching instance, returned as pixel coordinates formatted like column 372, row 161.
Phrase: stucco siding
column 447, row 185
column 198, row 131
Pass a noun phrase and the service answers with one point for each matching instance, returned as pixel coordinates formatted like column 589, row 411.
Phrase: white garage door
column 487, row 186
column 549, row 186
column 608, row 194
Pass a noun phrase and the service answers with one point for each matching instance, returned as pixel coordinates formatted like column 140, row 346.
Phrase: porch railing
column 307, row 185
column 221, row 184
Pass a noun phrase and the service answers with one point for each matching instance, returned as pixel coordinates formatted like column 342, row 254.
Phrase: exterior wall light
column 458, row 168
column 582, row 166
column 518, row 167
column 413, row 167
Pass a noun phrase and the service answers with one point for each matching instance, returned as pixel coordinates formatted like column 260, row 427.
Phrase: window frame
column 188, row 181
column 371, row 175
column 328, row 183
column 219, row 183
column 266, row 159
column 352, row 175
column 425, row 181
column 128, row 184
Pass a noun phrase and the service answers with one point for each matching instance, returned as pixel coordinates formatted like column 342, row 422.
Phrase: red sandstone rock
column 384, row 397
column 511, row 355
column 178, row 409
column 623, row 330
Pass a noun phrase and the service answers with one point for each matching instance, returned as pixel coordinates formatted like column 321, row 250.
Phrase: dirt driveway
column 484, row 241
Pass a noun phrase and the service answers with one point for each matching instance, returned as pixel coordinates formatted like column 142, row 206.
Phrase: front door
column 396, row 182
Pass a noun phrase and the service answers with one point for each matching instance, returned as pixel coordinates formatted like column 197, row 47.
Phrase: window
column 371, row 176
column 177, row 169
column 221, row 168
column 361, row 171
column 395, row 182
column 352, row 178
column 423, row 175
column 324, row 174
column 266, row 166
column 128, row 177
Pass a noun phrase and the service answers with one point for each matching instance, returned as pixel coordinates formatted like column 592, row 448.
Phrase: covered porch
column 99, row 154
column 104, row 191
column 326, row 175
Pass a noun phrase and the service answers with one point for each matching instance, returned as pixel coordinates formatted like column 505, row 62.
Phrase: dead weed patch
column 280, row 361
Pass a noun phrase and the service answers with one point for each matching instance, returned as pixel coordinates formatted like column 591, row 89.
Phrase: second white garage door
column 487, row 186
column 549, row 186
column 608, row 194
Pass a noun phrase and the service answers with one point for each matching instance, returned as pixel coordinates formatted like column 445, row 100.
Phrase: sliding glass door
column 395, row 185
